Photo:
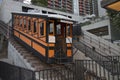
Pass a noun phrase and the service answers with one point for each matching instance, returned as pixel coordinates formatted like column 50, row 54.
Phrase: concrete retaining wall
column 99, row 24
column 16, row 59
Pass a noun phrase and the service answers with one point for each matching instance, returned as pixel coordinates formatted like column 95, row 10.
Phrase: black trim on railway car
column 66, row 60
column 65, row 37
column 55, row 23
column 47, row 31
column 31, row 49
column 47, row 39
column 47, row 54
column 72, row 43
column 51, row 48
column 54, row 48
column 69, row 47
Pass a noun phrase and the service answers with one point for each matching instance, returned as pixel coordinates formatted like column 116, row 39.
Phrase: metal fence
column 114, row 58
column 107, row 62
column 90, row 70
column 90, row 52
column 11, row 72
column 80, row 70
column 58, row 73
column 103, row 46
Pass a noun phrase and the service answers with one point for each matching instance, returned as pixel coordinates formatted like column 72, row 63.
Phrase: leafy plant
column 43, row 3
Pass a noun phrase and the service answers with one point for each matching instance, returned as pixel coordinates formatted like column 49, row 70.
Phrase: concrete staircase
column 28, row 58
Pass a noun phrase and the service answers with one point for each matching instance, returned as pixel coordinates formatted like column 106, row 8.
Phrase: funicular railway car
column 48, row 36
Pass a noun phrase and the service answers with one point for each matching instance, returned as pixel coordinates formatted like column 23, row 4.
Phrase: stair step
column 39, row 67
column 30, row 57
column 33, row 60
column 26, row 55
column 35, row 64
column 23, row 51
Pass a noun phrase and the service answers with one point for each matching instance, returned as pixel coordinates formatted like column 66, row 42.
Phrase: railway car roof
column 56, row 16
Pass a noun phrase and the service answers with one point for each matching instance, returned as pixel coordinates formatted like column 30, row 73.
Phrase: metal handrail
column 56, row 73
column 86, row 66
column 97, row 57
column 97, row 42
column 90, row 52
column 6, row 28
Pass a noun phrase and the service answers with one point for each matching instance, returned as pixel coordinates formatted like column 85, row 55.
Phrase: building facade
column 88, row 7
column 76, row 7
column 62, row 5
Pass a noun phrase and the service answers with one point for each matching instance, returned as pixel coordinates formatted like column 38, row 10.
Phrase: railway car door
column 61, row 46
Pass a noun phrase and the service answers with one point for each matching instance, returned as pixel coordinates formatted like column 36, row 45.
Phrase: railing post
column 99, row 44
column 109, row 50
column 90, row 39
column 20, row 74
column 33, row 75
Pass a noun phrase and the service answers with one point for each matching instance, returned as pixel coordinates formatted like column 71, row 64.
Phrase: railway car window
column 17, row 21
column 58, row 29
column 42, row 28
column 68, row 30
column 29, row 23
column 35, row 27
column 20, row 23
column 51, row 27
column 24, row 23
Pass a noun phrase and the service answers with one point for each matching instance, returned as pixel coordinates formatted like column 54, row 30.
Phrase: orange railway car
column 48, row 36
